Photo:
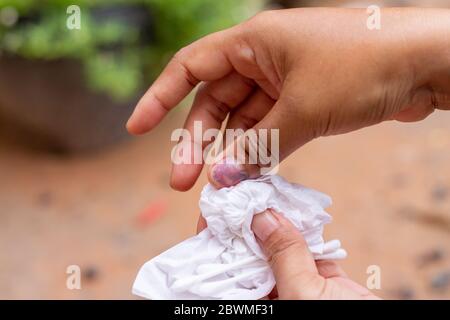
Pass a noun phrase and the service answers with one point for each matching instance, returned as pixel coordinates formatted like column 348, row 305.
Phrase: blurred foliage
column 119, row 54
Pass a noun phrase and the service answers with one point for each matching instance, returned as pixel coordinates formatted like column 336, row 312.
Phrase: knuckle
column 257, row 22
column 180, row 60
column 181, row 54
column 244, row 54
column 263, row 16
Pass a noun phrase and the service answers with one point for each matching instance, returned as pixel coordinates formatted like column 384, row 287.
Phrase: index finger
column 204, row 60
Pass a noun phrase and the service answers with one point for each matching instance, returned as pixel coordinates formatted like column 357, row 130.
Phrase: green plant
column 116, row 58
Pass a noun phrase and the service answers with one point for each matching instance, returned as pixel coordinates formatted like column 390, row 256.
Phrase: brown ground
column 390, row 185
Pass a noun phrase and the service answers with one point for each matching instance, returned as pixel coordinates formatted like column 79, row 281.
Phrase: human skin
column 297, row 275
column 309, row 73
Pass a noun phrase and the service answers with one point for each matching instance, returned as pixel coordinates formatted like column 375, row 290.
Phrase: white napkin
column 224, row 261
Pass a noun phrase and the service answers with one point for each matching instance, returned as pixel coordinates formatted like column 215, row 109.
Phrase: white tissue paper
column 224, row 261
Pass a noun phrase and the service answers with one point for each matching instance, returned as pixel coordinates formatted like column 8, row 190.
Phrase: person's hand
column 306, row 72
column 297, row 275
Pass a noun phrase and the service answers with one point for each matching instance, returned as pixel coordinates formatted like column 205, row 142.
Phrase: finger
column 416, row 113
column 211, row 106
column 262, row 147
column 251, row 111
column 354, row 287
column 292, row 263
column 229, row 171
column 204, row 60
column 330, row 269
column 201, row 224
column 442, row 101
column 241, row 119
column 273, row 295
column 420, row 107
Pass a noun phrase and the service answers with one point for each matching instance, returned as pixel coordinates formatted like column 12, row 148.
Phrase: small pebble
column 407, row 212
column 152, row 212
column 121, row 239
column 44, row 199
column 431, row 256
column 441, row 281
column 439, row 193
column 90, row 273
column 405, row 293
column 399, row 180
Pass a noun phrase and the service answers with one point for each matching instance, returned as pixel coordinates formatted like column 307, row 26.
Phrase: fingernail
column 228, row 173
column 264, row 224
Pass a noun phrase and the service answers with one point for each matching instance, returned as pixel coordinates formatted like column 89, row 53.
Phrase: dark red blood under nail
column 228, row 174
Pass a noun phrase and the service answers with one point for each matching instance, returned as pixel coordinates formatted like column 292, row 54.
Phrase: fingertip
column 142, row 122
column 201, row 224
column 179, row 185
column 184, row 176
column 131, row 128
column 182, row 187
column 226, row 173
column 209, row 174
column 147, row 114
column 137, row 124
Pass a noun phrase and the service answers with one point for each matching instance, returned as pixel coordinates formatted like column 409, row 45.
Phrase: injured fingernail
column 264, row 224
column 228, row 173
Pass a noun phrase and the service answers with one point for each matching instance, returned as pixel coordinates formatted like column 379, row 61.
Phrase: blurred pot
column 48, row 101
column 51, row 100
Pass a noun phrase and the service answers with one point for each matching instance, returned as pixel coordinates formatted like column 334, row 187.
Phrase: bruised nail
column 264, row 224
column 228, row 173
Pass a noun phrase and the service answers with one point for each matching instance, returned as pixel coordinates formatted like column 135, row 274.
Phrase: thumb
column 292, row 263
column 229, row 172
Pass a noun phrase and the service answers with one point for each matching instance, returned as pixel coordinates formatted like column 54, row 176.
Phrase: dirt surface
column 110, row 212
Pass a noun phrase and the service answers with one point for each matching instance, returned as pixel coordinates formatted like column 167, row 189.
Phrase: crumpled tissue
column 224, row 261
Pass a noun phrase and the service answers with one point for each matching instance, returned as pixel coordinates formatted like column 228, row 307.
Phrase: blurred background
column 75, row 189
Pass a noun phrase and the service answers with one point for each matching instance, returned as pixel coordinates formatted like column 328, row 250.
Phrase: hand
column 308, row 72
column 297, row 275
